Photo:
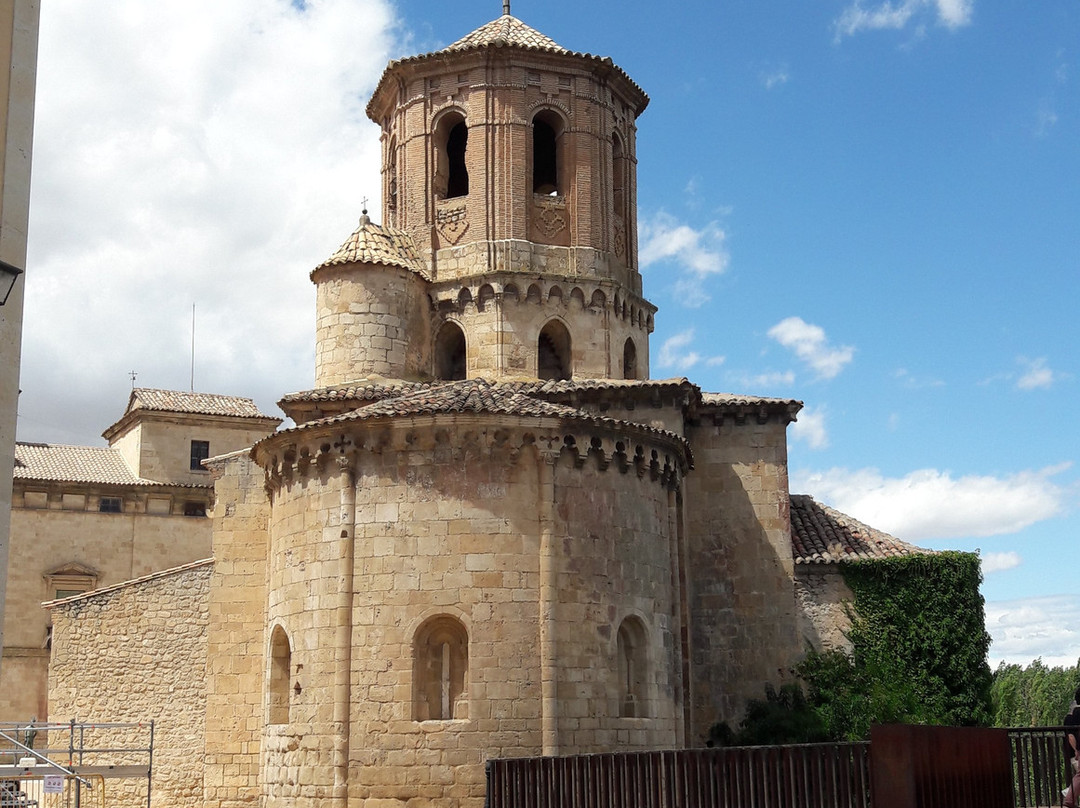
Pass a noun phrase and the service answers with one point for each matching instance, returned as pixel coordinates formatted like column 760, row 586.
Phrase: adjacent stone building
column 85, row 517
column 489, row 533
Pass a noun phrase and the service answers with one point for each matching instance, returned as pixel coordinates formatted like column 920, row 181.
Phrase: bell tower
column 509, row 163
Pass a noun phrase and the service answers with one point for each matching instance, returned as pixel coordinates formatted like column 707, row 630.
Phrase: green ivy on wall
column 919, row 646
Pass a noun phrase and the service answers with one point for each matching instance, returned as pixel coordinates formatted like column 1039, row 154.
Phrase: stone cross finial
column 132, row 374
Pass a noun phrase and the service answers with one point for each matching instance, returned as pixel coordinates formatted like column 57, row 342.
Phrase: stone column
column 549, row 598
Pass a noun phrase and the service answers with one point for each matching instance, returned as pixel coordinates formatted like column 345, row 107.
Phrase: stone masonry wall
column 501, row 333
column 119, row 546
column 740, row 567
column 136, row 653
column 370, row 321
column 824, row 600
column 449, row 524
column 236, row 633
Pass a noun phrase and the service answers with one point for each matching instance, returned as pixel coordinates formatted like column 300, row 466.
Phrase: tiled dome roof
column 506, row 30
column 372, row 244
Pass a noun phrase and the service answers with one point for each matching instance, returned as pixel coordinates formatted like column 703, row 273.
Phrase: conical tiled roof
column 372, row 244
column 470, row 395
column 476, row 396
column 506, row 30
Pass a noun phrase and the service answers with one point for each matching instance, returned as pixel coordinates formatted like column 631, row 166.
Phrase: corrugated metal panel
column 950, row 767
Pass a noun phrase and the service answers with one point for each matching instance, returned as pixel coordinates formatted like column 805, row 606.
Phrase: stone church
column 489, row 533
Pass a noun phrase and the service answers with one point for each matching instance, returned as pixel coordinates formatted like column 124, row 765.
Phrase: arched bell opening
column 450, row 353
column 451, row 169
column 553, row 357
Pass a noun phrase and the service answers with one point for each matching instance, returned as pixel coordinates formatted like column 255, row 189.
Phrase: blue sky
column 870, row 207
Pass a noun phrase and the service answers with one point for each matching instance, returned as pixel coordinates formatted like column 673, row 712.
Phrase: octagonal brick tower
column 509, row 163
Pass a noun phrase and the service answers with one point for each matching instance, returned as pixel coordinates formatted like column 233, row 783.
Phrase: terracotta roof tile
column 374, row 390
column 471, row 395
column 77, row 464
column 143, row 398
column 476, row 395
column 372, row 244
column 728, row 399
column 821, row 535
column 506, row 30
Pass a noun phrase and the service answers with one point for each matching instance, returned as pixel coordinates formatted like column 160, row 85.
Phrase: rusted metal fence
column 804, row 775
column 923, row 766
column 940, row 767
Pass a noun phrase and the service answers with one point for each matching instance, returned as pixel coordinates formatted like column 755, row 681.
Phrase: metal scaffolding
column 49, row 765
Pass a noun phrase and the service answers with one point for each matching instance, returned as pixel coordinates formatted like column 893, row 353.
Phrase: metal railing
column 1040, row 769
column 805, row 775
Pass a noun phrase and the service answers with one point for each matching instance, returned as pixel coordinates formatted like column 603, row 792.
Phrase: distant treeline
column 1035, row 696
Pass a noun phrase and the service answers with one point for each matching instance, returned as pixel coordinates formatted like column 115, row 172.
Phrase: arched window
column 618, row 175
column 629, row 359
column 633, row 659
column 440, row 670
column 451, row 172
column 391, row 175
column 280, row 668
column 450, row 353
column 553, row 352
column 547, row 132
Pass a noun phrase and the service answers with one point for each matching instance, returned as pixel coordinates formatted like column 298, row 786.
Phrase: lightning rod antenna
column 192, row 347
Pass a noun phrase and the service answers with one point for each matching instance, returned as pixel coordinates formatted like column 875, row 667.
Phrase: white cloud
column 775, row 77
column 911, row 382
column 1036, row 375
column 777, row 378
column 932, row 504
column 1027, row 629
column 673, row 353
column 700, row 254
column 810, row 345
column 809, row 427
column 998, row 562
column 715, row 361
column 896, row 15
column 177, row 161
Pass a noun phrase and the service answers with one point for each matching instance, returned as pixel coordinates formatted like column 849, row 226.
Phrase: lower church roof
column 822, row 535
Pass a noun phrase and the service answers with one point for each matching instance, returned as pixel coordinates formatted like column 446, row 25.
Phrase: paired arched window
column 440, row 670
column 547, row 156
column 553, row 357
column 633, row 660
column 629, row 359
column 451, row 171
column 450, row 353
column 280, row 668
